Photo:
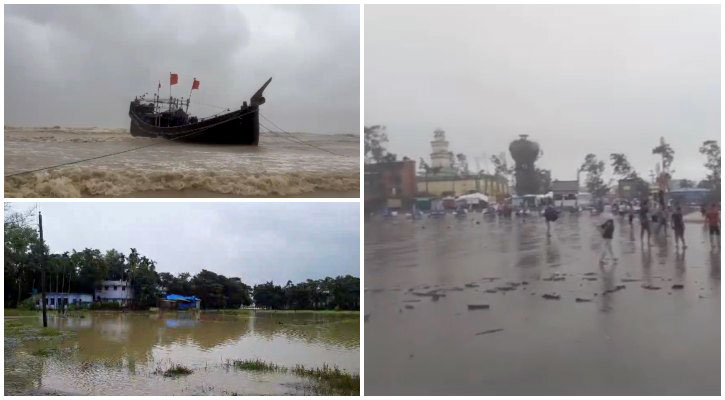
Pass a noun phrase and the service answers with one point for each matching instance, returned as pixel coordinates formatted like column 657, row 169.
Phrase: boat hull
column 237, row 127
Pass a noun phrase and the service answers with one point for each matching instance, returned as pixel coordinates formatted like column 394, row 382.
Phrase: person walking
column 607, row 230
column 712, row 217
column 661, row 220
column 678, row 226
column 644, row 222
column 550, row 215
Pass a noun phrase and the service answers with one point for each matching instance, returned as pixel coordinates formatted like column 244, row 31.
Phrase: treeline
column 341, row 293
column 81, row 271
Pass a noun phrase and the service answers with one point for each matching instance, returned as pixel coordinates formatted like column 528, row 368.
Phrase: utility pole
column 42, row 270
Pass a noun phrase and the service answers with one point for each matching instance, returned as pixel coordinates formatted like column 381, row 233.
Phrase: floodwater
column 630, row 332
column 114, row 353
column 283, row 165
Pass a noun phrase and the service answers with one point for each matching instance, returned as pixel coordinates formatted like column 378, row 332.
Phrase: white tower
column 441, row 157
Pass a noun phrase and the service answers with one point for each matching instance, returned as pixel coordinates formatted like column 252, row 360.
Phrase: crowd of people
column 661, row 215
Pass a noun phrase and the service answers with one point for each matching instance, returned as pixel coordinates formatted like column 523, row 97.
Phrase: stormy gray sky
column 577, row 79
column 255, row 241
column 80, row 65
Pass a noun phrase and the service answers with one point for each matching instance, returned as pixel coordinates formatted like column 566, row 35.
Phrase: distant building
column 390, row 184
column 564, row 191
column 116, row 291
column 53, row 300
column 451, row 185
column 179, row 302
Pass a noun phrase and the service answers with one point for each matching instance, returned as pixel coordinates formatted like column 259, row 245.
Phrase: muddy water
column 111, row 353
column 642, row 337
column 282, row 165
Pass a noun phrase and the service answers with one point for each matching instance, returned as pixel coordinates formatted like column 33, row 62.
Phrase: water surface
column 282, row 165
column 114, row 353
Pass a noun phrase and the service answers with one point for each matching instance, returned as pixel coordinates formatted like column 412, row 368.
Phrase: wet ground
column 114, row 353
column 487, row 306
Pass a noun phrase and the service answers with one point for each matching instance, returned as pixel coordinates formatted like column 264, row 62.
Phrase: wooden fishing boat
column 235, row 127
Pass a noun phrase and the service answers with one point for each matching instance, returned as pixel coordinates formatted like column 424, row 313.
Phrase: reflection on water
column 118, row 353
column 615, row 329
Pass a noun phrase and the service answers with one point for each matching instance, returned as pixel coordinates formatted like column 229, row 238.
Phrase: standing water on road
column 114, row 353
column 491, row 306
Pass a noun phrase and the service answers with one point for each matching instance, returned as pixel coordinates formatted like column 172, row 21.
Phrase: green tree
column 711, row 149
column 668, row 155
column 594, row 170
column 375, row 138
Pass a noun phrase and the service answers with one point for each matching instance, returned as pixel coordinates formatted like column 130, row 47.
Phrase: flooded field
column 487, row 306
column 283, row 165
column 114, row 353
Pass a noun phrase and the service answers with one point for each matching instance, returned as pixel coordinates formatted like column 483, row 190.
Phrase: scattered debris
column 489, row 331
column 630, row 280
column 582, row 300
column 478, row 306
column 554, row 278
column 491, row 290
column 551, row 296
column 471, row 285
column 678, row 286
column 591, row 279
column 411, row 301
column 651, row 287
column 409, row 307
column 616, row 289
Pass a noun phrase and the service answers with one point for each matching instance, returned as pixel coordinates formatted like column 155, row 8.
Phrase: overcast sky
column 577, row 79
column 255, row 241
column 82, row 65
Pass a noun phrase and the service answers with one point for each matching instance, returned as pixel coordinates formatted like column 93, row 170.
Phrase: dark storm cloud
column 81, row 65
column 256, row 241
column 578, row 79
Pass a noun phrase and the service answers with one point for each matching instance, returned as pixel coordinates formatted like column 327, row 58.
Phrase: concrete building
column 390, row 184
column 496, row 187
column 118, row 291
column 53, row 300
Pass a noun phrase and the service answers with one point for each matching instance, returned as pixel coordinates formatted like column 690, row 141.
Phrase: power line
column 297, row 140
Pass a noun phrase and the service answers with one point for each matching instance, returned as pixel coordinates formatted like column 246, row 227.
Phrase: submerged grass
column 258, row 365
column 331, row 380
column 326, row 380
column 174, row 371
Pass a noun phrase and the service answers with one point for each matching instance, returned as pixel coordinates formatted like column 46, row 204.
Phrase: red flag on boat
column 174, row 79
column 195, row 85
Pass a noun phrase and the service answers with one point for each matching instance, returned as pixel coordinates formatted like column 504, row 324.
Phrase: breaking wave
column 94, row 182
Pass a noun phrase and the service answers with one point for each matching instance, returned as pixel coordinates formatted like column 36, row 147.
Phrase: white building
column 441, row 157
column 118, row 291
column 53, row 300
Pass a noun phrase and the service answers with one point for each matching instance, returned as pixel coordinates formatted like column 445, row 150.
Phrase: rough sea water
column 280, row 166
column 491, row 306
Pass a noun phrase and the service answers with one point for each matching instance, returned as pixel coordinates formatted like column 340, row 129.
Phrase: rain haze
column 257, row 242
column 577, row 79
column 82, row 65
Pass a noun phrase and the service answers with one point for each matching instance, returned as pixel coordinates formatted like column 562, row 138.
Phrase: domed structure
column 525, row 152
